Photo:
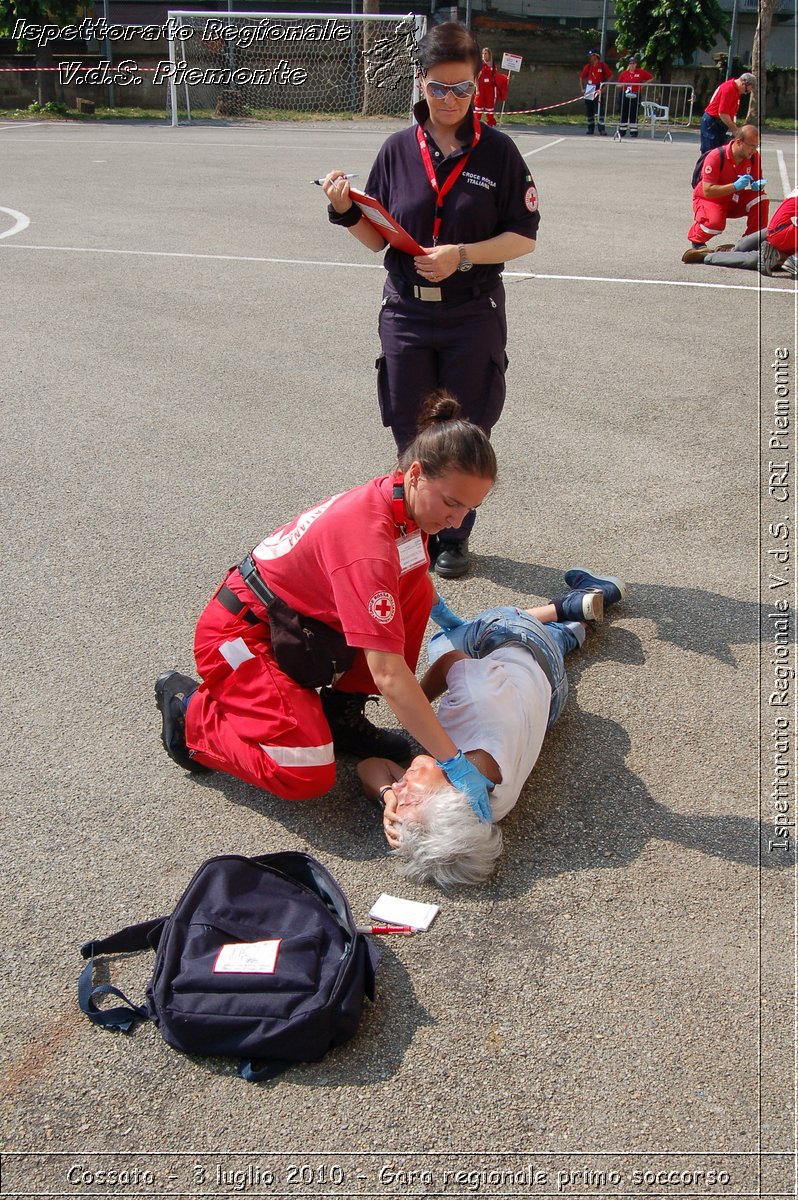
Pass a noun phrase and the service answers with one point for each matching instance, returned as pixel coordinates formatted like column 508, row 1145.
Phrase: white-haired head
column 447, row 843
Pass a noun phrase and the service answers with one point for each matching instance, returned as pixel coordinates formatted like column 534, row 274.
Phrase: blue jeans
column 507, row 626
column 713, row 133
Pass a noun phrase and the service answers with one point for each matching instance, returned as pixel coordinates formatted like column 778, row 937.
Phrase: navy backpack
column 260, row 960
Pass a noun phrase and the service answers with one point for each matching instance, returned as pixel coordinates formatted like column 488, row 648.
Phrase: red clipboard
column 382, row 220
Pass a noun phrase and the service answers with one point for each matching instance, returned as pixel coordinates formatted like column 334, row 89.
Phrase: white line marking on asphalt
column 311, row 262
column 539, row 148
column 20, row 222
column 785, row 179
column 21, row 124
column 291, row 262
column 734, row 287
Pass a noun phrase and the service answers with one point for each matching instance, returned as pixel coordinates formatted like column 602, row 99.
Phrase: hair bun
column 439, row 406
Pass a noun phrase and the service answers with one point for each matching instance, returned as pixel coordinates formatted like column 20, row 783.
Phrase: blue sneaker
column 581, row 605
column 612, row 589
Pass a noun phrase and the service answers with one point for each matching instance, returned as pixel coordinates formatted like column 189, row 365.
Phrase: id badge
column 411, row 551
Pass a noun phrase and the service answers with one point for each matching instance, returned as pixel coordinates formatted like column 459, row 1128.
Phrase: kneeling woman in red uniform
column 358, row 563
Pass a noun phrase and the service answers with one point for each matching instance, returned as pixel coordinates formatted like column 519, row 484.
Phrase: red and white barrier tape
column 517, row 112
column 90, row 67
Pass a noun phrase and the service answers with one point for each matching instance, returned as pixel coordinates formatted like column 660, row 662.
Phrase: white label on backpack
column 248, row 958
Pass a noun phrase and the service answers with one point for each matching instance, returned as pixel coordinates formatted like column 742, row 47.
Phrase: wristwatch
column 465, row 262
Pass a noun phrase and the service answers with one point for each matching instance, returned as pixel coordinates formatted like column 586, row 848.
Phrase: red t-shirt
column 785, row 239
column 720, row 167
column 638, row 77
column 339, row 562
column 725, row 99
column 595, row 73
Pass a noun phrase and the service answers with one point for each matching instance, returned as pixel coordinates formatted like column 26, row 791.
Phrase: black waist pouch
column 312, row 653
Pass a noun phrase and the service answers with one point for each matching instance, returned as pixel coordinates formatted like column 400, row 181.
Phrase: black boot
column 171, row 692
column 453, row 559
column 353, row 734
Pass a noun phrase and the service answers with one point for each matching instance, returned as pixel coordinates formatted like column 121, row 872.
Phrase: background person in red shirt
column 633, row 79
column 719, row 116
column 593, row 74
column 731, row 185
column 491, row 87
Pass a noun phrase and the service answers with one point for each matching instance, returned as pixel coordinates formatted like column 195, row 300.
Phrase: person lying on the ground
column 506, row 683
column 766, row 250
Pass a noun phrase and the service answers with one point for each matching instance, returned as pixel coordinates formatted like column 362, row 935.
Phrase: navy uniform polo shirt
column 494, row 194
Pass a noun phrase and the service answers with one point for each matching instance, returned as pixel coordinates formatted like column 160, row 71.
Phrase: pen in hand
column 320, row 182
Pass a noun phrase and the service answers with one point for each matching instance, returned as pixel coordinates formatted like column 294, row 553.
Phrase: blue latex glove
column 443, row 616
column 758, row 184
column 742, row 182
column 463, row 775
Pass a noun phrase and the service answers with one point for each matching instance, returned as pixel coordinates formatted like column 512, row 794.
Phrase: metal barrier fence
column 652, row 106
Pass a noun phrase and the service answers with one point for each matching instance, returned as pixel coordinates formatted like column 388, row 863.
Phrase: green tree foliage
column 37, row 12
column 40, row 12
column 662, row 31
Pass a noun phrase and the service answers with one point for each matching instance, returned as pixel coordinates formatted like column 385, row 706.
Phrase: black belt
column 255, row 582
column 238, row 608
column 447, row 295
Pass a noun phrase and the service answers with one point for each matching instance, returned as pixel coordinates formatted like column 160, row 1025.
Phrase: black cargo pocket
column 497, row 391
column 500, row 317
column 383, row 391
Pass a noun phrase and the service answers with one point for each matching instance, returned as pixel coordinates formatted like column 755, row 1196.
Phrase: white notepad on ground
column 395, row 911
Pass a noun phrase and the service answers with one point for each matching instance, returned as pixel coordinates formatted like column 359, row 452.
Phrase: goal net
column 277, row 65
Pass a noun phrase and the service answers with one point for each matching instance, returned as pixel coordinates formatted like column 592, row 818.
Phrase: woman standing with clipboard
column 463, row 192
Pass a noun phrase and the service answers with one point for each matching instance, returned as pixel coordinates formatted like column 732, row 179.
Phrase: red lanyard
column 400, row 516
column 442, row 192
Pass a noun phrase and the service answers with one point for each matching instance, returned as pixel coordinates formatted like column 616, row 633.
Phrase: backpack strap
column 144, row 936
column 258, row 1071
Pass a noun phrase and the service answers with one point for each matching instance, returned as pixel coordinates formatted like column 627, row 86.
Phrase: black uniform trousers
column 456, row 344
column 594, row 110
column 629, row 105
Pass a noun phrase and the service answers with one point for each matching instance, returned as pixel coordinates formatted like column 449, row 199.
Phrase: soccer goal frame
column 277, row 64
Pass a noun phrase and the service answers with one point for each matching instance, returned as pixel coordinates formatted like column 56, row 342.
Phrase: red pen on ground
column 385, row 929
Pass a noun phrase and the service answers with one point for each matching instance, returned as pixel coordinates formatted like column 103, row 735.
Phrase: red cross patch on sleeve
column 531, row 199
column 382, row 607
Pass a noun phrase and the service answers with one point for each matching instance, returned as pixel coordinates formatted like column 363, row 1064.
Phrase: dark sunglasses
column 460, row 90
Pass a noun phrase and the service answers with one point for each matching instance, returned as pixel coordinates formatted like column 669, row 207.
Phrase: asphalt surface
column 188, row 361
